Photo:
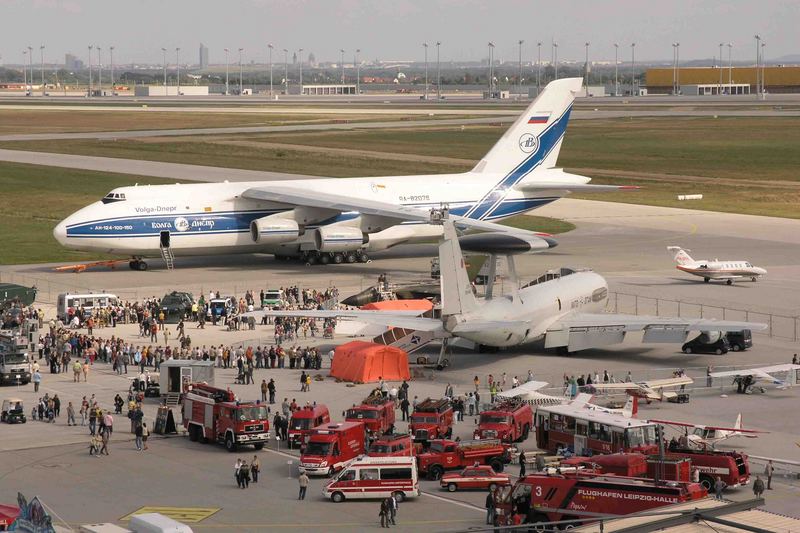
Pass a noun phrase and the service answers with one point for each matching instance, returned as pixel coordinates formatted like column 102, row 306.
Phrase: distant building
column 203, row 56
column 71, row 62
column 709, row 80
column 312, row 59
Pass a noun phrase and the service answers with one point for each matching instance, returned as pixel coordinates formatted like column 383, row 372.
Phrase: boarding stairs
column 173, row 399
column 169, row 258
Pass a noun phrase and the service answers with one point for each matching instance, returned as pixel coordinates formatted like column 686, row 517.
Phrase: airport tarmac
column 626, row 243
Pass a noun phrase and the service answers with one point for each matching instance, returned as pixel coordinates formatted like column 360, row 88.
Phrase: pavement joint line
column 453, row 502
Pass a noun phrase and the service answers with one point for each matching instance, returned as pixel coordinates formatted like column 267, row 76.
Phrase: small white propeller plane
column 648, row 390
column 705, row 437
column 762, row 375
column 716, row 269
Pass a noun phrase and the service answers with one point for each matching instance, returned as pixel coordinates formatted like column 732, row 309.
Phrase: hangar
column 777, row 79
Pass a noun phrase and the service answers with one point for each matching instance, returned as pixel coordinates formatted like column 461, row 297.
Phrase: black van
column 740, row 340
column 703, row 343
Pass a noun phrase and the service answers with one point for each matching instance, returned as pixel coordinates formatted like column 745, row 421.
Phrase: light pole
column 519, row 73
column 763, row 70
column 240, row 71
column 164, row 52
column 25, row 69
column 111, row 52
column 538, row 67
column 719, row 89
column 425, row 46
column 438, row 74
column 491, row 68
column 758, row 64
column 99, row 69
column 342, row 62
column 358, row 71
column 30, row 64
column 586, row 68
column 301, row 70
column 286, row 71
column 633, row 67
column 730, row 70
column 41, row 59
column 616, row 69
column 270, row 47
column 227, row 89
column 178, row 67
column 555, row 48
column 90, row 70
column 678, row 67
column 674, row 63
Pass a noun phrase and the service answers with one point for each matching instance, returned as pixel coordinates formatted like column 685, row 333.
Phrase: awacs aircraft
column 709, row 436
column 337, row 220
column 763, row 375
column 564, row 309
column 717, row 269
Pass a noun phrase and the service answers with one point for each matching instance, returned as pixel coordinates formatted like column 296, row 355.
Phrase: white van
column 89, row 302
column 375, row 477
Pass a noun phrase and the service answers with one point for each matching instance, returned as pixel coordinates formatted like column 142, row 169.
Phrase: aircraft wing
column 396, row 319
column 668, row 382
column 483, row 325
column 293, row 196
column 716, row 428
column 579, row 331
column 761, row 372
column 575, row 187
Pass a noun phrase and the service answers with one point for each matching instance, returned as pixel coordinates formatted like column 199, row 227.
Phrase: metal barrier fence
column 779, row 326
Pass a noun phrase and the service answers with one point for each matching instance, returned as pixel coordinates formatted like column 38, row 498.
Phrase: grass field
column 35, row 198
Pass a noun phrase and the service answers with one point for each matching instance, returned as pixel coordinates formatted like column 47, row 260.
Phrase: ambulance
column 374, row 478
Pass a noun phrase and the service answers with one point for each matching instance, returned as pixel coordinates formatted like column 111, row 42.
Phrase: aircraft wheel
column 142, row 265
column 706, row 279
column 754, row 279
column 363, row 258
column 324, row 259
column 338, row 259
column 729, row 282
column 351, row 258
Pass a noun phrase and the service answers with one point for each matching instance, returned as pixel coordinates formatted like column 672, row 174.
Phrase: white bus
column 89, row 302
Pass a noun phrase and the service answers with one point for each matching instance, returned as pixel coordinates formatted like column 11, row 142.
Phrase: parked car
column 708, row 342
column 482, row 477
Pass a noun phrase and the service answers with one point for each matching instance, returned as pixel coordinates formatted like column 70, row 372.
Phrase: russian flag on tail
column 538, row 119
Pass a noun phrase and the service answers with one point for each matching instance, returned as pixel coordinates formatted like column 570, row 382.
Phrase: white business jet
column 717, row 269
column 566, row 308
column 341, row 219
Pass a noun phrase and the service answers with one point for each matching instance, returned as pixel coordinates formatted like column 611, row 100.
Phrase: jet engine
column 339, row 238
column 506, row 243
column 273, row 230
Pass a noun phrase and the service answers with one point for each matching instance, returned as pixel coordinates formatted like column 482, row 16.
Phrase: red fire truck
column 376, row 413
column 304, row 420
column 331, row 446
column 445, row 455
column 551, row 496
column 432, row 419
column 509, row 422
column 213, row 414
column 391, row 445
column 589, row 431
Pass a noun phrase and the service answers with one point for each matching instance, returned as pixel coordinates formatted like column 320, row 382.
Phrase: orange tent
column 367, row 362
column 399, row 305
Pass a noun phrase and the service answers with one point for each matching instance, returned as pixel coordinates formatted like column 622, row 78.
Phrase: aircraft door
column 164, row 239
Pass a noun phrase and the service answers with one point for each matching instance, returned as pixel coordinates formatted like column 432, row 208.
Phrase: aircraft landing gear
column 706, row 279
column 443, row 362
column 729, row 282
column 324, row 258
column 138, row 264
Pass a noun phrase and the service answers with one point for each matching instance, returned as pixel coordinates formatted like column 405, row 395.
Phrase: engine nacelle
column 274, row 230
column 339, row 239
column 506, row 243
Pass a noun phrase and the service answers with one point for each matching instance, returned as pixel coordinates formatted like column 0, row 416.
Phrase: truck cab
column 331, row 446
column 392, row 445
column 15, row 363
column 304, row 420
column 509, row 422
column 432, row 419
column 376, row 413
column 443, row 455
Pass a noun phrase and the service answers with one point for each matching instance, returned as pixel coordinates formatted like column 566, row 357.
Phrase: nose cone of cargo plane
column 60, row 232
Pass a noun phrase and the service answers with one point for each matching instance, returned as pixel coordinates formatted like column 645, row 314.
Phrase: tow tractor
column 567, row 494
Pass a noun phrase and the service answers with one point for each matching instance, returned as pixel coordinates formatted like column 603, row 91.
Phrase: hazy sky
column 395, row 29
